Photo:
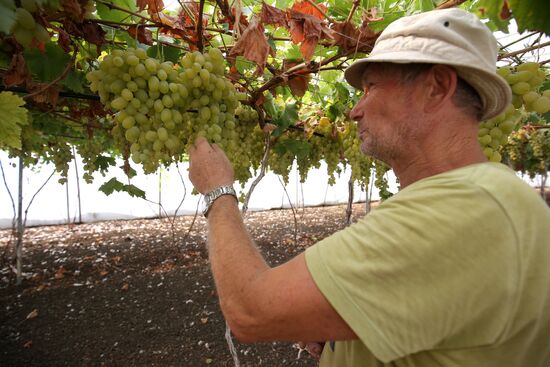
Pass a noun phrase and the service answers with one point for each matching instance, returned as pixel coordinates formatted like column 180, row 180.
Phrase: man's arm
column 260, row 303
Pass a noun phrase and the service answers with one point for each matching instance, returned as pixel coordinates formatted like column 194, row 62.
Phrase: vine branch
column 531, row 48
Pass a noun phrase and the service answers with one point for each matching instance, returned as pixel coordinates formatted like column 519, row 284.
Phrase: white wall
column 50, row 205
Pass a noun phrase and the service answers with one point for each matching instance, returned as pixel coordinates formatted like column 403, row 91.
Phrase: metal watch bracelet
column 211, row 196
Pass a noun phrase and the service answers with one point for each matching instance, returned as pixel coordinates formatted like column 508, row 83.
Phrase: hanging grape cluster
column 493, row 133
column 161, row 107
column 525, row 81
column 25, row 28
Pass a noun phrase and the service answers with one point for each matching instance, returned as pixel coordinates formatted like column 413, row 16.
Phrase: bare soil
column 138, row 293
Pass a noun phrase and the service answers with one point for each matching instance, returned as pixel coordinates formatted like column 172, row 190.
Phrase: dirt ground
column 138, row 293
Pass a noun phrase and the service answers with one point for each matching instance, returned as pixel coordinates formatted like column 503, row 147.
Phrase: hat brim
column 494, row 91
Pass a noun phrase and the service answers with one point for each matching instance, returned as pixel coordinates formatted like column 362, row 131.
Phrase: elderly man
column 454, row 270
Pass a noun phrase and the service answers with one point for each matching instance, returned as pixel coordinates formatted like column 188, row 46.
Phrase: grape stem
column 260, row 176
column 199, row 26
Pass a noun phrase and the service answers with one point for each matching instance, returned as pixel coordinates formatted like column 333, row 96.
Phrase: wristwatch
column 210, row 197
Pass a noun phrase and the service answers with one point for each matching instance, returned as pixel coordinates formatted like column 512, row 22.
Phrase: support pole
column 19, row 244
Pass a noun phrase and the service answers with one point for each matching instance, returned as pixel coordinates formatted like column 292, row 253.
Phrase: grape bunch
column 329, row 147
column 161, row 107
column 493, row 133
column 246, row 150
column 360, row 163
column 25, row 28
column 525, row 80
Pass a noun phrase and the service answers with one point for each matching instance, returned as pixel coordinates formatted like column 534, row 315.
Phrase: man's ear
column 440, row 85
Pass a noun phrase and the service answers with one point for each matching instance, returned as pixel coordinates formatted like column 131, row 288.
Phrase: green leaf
column 300, row 149
column 491, row 10
column 287, row 118
column 244, row 65
column 282, row 4
column 424, row 5
column 103, row 162
column 269, row 105
column 105, row 13
column 341, row 92
column 134, row 191
column 531, row 15
column 49, row 65
column 7, row 16
column 13, row 117
column 170, row 53
column 75, row 81
column 115, row 185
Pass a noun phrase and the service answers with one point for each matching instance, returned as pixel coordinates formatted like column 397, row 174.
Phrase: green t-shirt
column 454, row 270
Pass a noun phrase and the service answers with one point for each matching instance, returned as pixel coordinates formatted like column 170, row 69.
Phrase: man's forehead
column 372, row 69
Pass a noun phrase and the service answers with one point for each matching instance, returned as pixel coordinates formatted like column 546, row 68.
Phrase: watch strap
column 211, row 196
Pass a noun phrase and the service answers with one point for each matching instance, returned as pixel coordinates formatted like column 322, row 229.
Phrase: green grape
column 41, row 34
column 521, row 88
column 23, row 36
column 29, row 5
column 24, row 19
column 541, row 105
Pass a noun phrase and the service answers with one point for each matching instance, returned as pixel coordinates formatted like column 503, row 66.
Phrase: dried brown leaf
column 17, row 73
column 32, row 314
column 252, row 45
column 350, row 38
column 306, row 7
column 273, row 15
column 142, row 34
column 93, row 33
column 298, row 83
column 153, row 6
column 308, row 30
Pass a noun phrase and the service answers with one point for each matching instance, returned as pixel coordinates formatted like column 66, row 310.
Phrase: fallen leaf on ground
column 32, row 314
column 28, row 344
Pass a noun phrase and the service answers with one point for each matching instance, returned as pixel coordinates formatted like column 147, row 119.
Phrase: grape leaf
column 274, row 16
column 17, row 73
column 13, row 117
column 7, row 16
column 142, row 34
column 153, row 6
column 252, row 45
column 300, row 149
column 115, row 185
column 298, row 83
column 75, row 80
column 308, row 30
column 286, row 119
column 306, row 7
column 169, row 53
column 105, row 13
column 350, row 38
column 531, row 15
column 49, row 65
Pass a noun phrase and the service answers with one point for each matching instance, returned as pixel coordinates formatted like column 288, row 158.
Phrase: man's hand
column 209, row 167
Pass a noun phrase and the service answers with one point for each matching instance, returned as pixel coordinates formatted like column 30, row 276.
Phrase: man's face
column 386, row 113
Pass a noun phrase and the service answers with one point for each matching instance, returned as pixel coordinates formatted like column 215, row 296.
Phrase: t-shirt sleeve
column 419, row 272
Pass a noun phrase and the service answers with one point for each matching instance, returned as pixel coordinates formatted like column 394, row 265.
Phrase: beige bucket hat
column 451, row 37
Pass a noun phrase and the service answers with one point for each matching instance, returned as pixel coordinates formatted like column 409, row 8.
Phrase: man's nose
column 356, row 112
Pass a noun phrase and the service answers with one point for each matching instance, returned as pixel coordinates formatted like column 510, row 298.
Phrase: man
column 454, row 270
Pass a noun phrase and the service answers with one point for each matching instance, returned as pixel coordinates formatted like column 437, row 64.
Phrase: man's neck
column 431, row 158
